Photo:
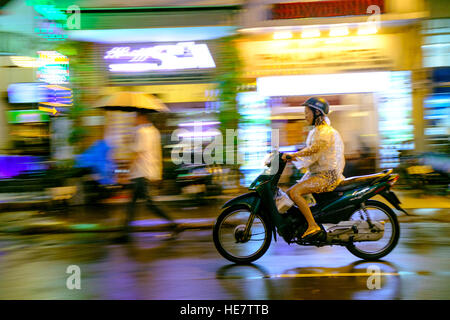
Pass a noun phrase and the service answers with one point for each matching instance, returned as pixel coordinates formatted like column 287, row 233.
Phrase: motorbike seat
column 354, row 182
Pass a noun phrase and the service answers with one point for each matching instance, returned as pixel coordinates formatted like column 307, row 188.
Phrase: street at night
column 267, row 153
column 189, row 267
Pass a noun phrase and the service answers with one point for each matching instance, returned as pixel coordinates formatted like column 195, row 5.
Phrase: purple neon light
column 199, row 134
column 199, row 123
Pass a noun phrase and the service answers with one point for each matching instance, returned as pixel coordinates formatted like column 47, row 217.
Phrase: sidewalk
column 28, row 220
column 24, row 215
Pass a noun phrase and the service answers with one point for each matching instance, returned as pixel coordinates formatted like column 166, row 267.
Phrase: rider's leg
column 311, row 185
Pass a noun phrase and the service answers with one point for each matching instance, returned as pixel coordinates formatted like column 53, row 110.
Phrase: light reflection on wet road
column 34, row 267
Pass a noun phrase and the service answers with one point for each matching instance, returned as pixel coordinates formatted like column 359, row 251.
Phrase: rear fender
column 383, row 189
column 392, row 199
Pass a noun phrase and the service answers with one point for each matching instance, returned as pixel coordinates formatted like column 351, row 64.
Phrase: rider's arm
column 319, row 142
column 313, row 149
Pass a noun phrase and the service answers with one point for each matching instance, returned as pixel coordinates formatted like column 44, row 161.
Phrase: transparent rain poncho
column 324, row 159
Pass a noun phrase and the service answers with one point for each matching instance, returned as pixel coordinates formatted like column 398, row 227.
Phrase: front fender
column 251, row 200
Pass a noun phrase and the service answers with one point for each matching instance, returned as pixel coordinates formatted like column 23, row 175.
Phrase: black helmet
column 319, row 104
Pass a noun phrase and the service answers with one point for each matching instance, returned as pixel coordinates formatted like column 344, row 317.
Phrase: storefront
column 364, row 69
column 35, row 84
column 437, row 102
column 174, row 59
column 180, row 74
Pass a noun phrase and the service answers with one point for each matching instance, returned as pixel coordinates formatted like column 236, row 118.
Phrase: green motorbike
column 348, row 216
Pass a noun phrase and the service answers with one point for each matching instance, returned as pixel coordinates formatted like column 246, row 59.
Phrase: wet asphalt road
column 150, row 267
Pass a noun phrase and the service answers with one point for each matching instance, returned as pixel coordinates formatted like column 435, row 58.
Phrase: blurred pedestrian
column 97, row 167
column 146, row 167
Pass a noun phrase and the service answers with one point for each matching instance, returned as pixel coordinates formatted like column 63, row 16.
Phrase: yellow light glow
column 48, row 57
column 24, row 62
column 282, row 35
column 367, row 29
column 335, row 40
column 56, row 87
column 310, row 33
column 339, row 31
column 54, row 104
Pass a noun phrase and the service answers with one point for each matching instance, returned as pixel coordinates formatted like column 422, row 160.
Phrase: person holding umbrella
column 146, row 167
column 146, row 162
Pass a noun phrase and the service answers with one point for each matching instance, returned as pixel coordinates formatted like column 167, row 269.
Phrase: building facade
column 363, row 56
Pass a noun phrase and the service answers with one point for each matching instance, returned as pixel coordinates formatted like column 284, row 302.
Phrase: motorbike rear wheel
column 230, row 238
column 374, row 250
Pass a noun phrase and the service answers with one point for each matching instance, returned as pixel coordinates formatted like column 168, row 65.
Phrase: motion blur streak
column 93, row 93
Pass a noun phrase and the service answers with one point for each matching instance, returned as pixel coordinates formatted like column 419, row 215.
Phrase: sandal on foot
column 311, row 233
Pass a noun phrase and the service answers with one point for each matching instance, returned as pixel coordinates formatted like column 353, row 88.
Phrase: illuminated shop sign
column 49, row 21
column 26, row 93
column 180, row 56
column 314, row 9
column 54, row 72
column 27, row 116
column 53, row 67
column 52, row 57
column 52, row 31
column 321, row 55
column 436, row 43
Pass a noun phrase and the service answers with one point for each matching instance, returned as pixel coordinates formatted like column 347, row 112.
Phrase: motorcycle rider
column 323, row 156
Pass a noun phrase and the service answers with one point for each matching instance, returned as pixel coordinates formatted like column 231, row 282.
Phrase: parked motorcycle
column 429, row 173
column 348, row 216
column 197, row 180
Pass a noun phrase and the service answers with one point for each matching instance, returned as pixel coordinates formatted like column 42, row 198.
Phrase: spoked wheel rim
column 376, row 214
column 233, row 239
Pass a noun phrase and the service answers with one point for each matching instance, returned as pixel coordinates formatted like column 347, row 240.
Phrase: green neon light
column 50, row 12
column 25, row 116
column 85, row 226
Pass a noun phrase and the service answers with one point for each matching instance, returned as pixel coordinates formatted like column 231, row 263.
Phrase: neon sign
column 52, row 57
column 183, row 55
column 54, row 71
column 53, row 67
column 49, row 21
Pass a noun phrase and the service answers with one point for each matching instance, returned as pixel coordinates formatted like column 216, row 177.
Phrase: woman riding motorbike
column 323, row 156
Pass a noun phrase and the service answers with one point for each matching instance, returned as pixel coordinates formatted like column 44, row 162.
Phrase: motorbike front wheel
column 240, row 235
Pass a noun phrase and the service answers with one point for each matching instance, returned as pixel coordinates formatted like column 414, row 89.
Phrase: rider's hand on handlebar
column 287, row 157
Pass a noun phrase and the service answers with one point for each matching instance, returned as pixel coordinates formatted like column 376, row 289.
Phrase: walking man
column 146, row 167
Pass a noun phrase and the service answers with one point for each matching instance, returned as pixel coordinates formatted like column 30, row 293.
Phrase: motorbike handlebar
column 288, row 157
